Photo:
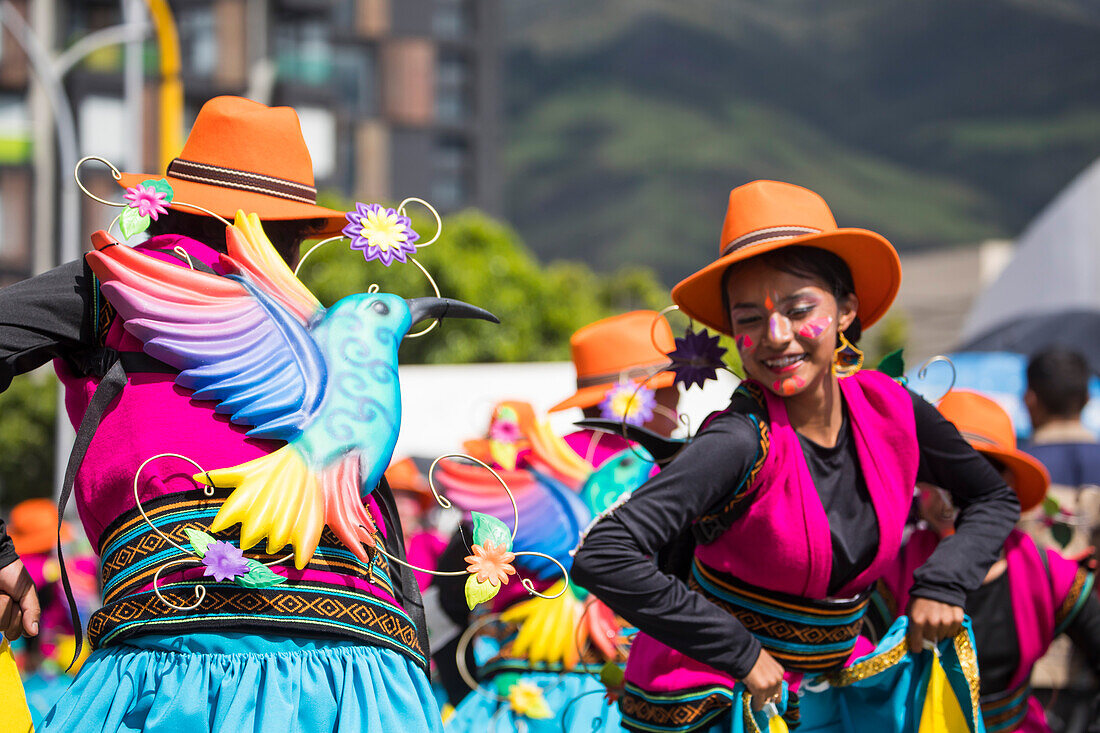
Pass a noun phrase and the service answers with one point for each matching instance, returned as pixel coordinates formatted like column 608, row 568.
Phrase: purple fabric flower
column 630, row 403
column 224, row 561
column 382, row 234
column 696, row 358
column 147, row 200
column 504, row 431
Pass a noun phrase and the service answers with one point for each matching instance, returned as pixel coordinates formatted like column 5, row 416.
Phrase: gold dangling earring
column 847, row 359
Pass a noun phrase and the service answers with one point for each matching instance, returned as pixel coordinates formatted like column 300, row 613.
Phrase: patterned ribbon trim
column 1004, row 710
column 767, row 235
column 131, row 552
column 307, row 609
column 215, row 175
column 805, row 635
column 1074, row 601
column 685, row 711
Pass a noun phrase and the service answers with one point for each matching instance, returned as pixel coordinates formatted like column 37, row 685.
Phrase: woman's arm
column 988, row 509
column 44, row 317
column 1084, row 631
column 616, row 559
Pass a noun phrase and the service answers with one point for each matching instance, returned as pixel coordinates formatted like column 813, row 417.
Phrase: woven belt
column 1003, row 711
column 131, row 553
column 805, row 635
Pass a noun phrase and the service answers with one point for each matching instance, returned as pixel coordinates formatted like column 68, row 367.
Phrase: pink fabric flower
column 147, row 200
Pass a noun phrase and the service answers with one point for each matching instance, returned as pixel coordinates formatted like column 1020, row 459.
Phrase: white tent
column 1050, row 292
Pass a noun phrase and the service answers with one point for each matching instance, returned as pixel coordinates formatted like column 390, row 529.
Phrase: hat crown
column 765, row 210
column 979, row 419
column 612, row 346
column 240, row 134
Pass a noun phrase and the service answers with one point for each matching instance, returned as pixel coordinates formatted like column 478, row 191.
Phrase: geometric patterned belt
column 1003, row 711
column 804, row 635
column 131, row 554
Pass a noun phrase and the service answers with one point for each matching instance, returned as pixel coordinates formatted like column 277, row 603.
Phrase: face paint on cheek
column 815, row 327
column 744, row 343
column 788, row 386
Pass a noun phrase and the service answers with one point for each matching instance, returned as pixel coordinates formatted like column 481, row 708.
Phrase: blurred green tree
column 482, row 261
column 27, row 410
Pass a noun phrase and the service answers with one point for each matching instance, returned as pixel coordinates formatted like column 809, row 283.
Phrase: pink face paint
column 814, row 328
column 744, row 343
column 788, row 386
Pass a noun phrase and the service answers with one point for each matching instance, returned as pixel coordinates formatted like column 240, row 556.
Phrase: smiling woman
column 796, row 497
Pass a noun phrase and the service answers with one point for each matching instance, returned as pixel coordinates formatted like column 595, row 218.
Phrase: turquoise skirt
column 244, row 683
column 576, row 700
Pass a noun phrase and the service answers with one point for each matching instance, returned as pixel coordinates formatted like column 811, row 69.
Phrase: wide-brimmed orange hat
column 245, row 155
column 619, row 349
column 403, row 475
column 32, row 526
column 764, row 216
column 988, row 428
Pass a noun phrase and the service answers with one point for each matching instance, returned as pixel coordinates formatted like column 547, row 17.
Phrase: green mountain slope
column 945, row 121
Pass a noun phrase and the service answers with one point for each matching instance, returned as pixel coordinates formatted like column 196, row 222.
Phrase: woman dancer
column 1028, row 598
column 330, row 643
column 796, row 496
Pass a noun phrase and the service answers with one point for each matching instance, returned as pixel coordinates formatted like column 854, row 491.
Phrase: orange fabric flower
column 491, row 563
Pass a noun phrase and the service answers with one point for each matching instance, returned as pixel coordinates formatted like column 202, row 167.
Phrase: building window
column 15, row 130
column 198, row 39
column 453, row 19
column 319, row 131
column 100, row 119
column 450, row 185
column 354, row 78
column 452, row 88
column 303, row 51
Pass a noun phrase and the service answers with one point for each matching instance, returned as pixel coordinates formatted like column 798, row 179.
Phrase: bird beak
column 425, row 308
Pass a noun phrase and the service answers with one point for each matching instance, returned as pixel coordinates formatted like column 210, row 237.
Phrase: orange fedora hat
column 764, row 216
column 245, row 155
column 988, row 428
column 617, row 349
column 33, row 526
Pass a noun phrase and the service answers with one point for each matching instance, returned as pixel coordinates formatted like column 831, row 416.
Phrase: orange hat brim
column 594, row 394
column 873, row 261
column 226, row 201
column 1032, row 478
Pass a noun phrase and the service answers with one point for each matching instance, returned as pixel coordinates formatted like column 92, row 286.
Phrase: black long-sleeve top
column 990, row 610
column 42, row 318
column 615, row 561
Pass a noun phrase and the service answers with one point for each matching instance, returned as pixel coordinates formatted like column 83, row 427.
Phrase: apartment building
column 396, row 97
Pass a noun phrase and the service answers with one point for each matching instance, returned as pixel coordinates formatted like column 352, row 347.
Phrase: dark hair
column 1060, row 380
column 285, row 235
column 812, row 262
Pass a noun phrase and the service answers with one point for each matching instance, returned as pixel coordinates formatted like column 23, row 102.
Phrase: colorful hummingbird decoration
column 258, row 343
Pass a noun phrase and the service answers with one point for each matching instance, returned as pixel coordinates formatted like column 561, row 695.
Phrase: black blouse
column 615, row 560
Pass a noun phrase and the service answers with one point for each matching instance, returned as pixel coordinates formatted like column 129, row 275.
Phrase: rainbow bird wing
column 551, row 514
column 232, row 341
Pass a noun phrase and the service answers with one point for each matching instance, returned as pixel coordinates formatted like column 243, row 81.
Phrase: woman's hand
column 765, row 680
column 19, row 610
column 933, row 621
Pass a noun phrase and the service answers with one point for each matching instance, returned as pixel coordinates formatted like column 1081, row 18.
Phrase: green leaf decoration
column 491, row 529
column 1062, row 534
column 199, row 540
column 479, row 592
column 132, row 222
column 1051, row 507
column 161, row 185
column 505, row 681
column 612, row 676
column 258, row 576
column 892, row 365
